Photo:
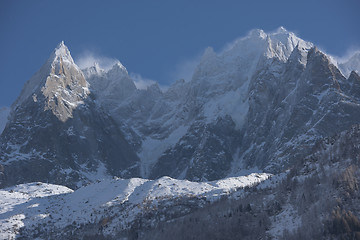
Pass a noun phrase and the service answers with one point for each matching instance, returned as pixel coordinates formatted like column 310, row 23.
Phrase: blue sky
column 157, row 39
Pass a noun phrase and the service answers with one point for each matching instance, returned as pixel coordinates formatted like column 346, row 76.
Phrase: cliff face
column 57, row 134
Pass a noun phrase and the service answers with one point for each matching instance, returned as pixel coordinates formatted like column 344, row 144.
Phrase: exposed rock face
column 276, row 111
column 262, row 103
column 58, row 134
column 59, row 83
column 289, row 112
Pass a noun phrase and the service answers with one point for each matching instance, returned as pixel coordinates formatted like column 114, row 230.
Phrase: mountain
column 261, row 104
column 258, row 105
column 56, row 133
column 317, row 198
column 85, row 154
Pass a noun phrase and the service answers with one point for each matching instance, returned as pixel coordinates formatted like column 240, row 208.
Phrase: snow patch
column 152, row 149
column 232, row 103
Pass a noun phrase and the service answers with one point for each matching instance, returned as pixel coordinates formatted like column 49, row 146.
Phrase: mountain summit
column 57, row 133
column 60, row 85
column 261, row 103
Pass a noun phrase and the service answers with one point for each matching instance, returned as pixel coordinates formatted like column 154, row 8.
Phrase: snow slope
column 17, row 200
column 33, row 204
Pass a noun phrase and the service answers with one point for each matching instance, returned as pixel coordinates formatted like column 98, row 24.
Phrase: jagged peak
column 279, row 43
column 115, row 69
column 315, row 54
column 208, row 53
column 180, row 81
column 118, row 68
column 154, row 88
column 282, row 42
column 95, row 69
column 257, row 33
column 61, row 45
column 60, row 82
column 61, row 52
column 354, row 75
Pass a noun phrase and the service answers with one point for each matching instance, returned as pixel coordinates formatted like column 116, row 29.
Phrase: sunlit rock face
column 65, row 88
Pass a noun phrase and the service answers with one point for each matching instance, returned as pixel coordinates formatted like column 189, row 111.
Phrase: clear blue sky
column 154, row 38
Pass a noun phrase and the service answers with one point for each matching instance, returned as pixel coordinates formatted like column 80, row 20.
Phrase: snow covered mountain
column 259, row 105
column 269, row 102
column 56, row 133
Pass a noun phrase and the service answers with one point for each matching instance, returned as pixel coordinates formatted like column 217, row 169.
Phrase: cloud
column 141, row 82
column 185, row 69
column 89, row 58
column 348, row 54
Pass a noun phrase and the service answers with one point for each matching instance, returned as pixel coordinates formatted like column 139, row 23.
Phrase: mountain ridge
column 240, row 111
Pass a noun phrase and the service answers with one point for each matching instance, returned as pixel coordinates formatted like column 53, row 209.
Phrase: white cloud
column 349, row 53
column 141, row 82
column 89, row 58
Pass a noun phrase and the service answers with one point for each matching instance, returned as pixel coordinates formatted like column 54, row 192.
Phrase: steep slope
column 260, row 104
column 149, row 117
column 165, row 127
column 285, row 122
column 56, row 132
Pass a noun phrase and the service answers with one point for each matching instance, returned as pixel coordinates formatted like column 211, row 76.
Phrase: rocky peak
column 59, row 86
column 61, row 52
column 93, row 70
column 118, row 70
column 281, row 43
column 354, row 75
column 154, row 89
column 110, row 87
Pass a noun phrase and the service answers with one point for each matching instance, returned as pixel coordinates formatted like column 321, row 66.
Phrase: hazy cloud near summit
column 141, row 82
column 185, row 69
column 349, row 54
column 88, row 58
